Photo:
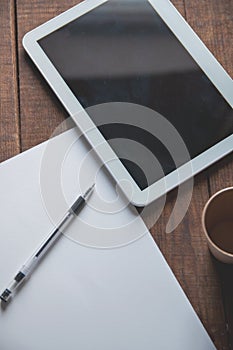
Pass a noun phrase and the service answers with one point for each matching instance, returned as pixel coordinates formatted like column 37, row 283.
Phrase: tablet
column 149, row 96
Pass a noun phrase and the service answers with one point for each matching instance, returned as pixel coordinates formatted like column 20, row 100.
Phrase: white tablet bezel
column 193, row 45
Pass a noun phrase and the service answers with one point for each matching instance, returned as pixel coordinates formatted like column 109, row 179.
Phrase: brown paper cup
column 217, row 223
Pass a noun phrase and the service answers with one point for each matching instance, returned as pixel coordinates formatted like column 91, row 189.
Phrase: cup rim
column 203, row 221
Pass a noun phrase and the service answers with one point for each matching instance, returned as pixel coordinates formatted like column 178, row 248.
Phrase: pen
column 31, row 263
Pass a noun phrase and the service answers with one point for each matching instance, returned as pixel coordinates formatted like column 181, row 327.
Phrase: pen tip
column 88, row 192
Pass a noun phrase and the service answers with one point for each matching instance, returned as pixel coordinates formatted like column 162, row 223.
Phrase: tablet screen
column 122, row 51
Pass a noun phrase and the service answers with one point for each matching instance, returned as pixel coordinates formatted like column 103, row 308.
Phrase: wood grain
column 212, row 20
column 9, row 116
column 40, row 110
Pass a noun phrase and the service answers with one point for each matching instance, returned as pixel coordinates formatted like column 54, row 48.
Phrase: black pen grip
column 78, row 205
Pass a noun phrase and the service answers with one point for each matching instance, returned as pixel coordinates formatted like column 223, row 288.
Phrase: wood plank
column 225, row 274
column 40, row 110
column 9, row 117
column 221, row 174
column 212, row 21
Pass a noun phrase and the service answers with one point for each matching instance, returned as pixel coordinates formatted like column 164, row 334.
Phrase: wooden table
column 29, row 112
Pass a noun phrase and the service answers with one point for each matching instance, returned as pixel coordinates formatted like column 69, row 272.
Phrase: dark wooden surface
column 29, row 112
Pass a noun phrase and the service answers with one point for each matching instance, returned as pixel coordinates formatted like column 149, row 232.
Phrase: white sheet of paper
column 104, row 285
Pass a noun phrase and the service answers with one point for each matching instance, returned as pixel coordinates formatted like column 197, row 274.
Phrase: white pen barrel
column 28, row 267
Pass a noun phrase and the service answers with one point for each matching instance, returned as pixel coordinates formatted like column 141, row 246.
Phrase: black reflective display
column 122, row 51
